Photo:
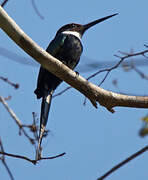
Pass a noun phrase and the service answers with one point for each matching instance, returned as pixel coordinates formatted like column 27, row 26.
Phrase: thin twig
column 18, row 156
column 16, row 119
column 16, row 86
column 142, row 75
column 30, row 160
column 127, row 55
column 6, row 98
column 61, row 92
column 8, row 170
column 108, row 70
column 53, row 157
column 4, row 161
column 133, row 156
column 34, row 127
column 4, row 3
column 36, row 10
column 13, row 115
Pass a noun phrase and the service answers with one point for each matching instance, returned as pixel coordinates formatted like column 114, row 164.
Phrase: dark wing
column 46, row 80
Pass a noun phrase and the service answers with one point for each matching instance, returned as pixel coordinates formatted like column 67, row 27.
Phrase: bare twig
column 8, row 170
column 53, row 157
column 142, row 75
column 61, row 92
column 13, row 115
column 36, row 10
column 16, row 86
column 16, row 119
column 133, row 156
column 108, row 70
column 4, row 3
column 4, row 161
column 122, row 58
column 34, row 127
column 127, row 55
column 6, row 98
column 30, row 160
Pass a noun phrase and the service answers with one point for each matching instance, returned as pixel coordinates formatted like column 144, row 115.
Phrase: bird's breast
column 71, row 50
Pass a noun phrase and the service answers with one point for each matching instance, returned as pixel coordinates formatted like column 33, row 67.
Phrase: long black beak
column 87, row 26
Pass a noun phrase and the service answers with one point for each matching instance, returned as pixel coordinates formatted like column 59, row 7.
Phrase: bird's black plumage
column 67, row 48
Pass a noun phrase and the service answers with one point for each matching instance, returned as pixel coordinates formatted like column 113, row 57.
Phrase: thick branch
column 92, row 92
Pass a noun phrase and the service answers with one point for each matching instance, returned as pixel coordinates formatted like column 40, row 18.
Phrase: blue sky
column 94, row 139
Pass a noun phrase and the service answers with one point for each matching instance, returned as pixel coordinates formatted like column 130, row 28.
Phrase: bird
column 67, row 47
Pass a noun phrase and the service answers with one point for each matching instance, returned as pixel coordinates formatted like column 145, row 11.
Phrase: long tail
column 45, row 107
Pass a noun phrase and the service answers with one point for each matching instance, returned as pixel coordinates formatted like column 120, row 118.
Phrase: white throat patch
column 74, row 33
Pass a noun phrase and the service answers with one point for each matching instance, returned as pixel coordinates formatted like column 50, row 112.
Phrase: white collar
column 77, row 34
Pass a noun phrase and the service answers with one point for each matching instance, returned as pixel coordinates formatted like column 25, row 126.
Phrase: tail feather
column 45, row 107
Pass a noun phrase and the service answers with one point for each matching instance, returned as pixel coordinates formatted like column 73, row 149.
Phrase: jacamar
column 67, row 47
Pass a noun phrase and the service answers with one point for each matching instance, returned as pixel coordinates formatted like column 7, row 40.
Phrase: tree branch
column 133, row 156
column 16, row 119
column 31, row 160
column 16, row 86
column 4, row 3
column 4, row 161
column 94, row 93
column 36, row 10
